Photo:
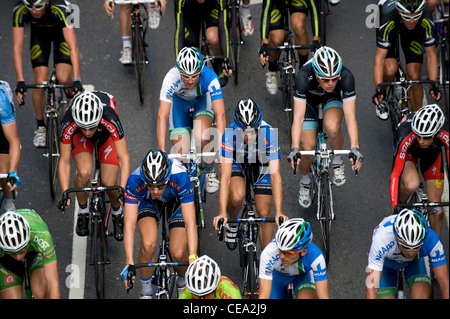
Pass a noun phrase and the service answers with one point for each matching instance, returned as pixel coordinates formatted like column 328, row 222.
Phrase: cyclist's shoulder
column 227, row 289
column 388, row 8
column 37, row 224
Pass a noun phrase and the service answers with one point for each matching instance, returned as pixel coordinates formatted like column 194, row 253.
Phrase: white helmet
column 327, row 62
column 189, row 61
column 14, row 232
column 87, row 110
column 202, row 276
column 293, row 235
column 39, row 4
column 428, row 120
column 410, row 6
column 410, row 227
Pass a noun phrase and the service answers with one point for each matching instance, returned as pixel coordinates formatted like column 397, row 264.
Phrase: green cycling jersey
column 226, row 289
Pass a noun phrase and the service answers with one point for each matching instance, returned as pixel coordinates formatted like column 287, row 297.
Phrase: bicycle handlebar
column 404, row 83
column 48, row 86
column 92, row 189
column 351, row 155
column 132, row 1
column 192, row 156
column 419, row 205
column 250, row 220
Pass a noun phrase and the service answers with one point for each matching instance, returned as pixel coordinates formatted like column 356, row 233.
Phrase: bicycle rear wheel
column 139, row 59
column 325, row 213
column 53, row 152
column 235, row 43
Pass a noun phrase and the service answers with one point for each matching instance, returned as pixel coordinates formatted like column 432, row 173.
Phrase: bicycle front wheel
column 198, row 216
column 235, row 42
column 99, row 257
column 325, row 213
column 53, row 152
column 323, row 12
column 250, row 275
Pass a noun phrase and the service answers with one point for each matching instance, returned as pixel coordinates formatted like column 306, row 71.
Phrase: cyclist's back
column 226, row 289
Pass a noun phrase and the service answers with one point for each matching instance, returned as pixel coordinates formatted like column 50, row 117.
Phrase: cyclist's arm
column 349, row 107
column 372, row 281
column 441, row 274
column 71, row 40
column 129, row 228
column 10, row 131
column 297, row 123
column 432, row 64
column 188, row 210
column 322, row 289
column 224, row 191
column 277, row 187
column 124, row 160
column 265, row 288
column 161, row 126
column 51, row 276
column 64, row 166
column 18, row 37
column 378, row 66
column 219, row 114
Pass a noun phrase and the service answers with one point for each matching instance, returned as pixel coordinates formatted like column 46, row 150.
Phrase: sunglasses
column 36, row 7
column 327, row 80
column 289, row 253
column 409, row 18
column 192, row 77
column 157, row 186
column 408, row 248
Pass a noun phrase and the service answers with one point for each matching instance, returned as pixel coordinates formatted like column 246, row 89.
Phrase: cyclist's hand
column 356, row 158
column 226, row 69
column 77, row 87
column 216, row 221
column 263, row 53
column 128, row 276
column 21, row 92
column 377, row 98
column 109, row 7
column 294, row 157
column 435, row 93
column 280, row 218
column 64, row 203
column 162, row 5
column 13, row 180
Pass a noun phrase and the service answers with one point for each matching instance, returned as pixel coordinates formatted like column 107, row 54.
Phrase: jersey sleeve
column 134, row 187
column 6, row 107
column 268, row 258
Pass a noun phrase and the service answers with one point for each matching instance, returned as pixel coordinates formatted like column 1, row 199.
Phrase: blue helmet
column 247, row 113
column 293, row 235
column 156, row 168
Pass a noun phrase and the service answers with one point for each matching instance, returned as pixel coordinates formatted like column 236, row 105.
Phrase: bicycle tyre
column 323, row 12
column 325, row 214
column 99, row 261
column 139, row 60
column 198, row 218
column 250, row 273
column 444, row 76
column 289, row 103
column 53, row 153
column 235, row 40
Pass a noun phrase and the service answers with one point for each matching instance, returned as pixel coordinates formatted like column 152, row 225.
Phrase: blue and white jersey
column 208, row 84
column 313, row 261
column 265, row 148
column 6, row 104
column 179, row 185
column 384, row 250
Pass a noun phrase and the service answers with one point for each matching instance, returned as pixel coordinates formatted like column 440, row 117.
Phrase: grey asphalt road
column 360, row 204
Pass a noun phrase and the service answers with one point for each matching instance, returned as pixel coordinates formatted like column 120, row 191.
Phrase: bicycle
column 139, row 25
column 321, row 183
column 441, row 31
column 99, row 223
column 248, row 237
column 164, row 275
column 236, row 41
column 53, row 106
column 324, row 11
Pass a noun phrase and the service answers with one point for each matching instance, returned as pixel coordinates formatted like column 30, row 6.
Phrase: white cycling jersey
column 313, row 261
column 208, row 84
column 384, row 250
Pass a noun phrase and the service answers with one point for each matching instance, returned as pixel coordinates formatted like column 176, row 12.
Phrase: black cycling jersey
column 411, row 40
column 307, row 87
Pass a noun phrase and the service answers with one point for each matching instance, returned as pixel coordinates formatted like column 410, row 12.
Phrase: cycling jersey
column 40, row 246
column 385, row 252
column 411, row 40
column 272, row 14
column 46, row 30
column 109, row 125
column 407, row 149
column 226, row 289
column 179, row 186
column 6, row 114
column 258, row 155
column 313, row 261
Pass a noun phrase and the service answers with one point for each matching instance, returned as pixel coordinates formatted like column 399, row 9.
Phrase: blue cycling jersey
column 6, row 107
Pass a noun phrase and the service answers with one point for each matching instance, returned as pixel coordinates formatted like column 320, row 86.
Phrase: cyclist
column 90, row 119
column 205, row 281
column 323, row 80
column 403, row 241
column 420, row 137
column 191, row 86
column 25, row 238
column 249, row 141
column 50, row 22
column 272, row 33
column 159, row 182
column 154, row 10
column 292, row 257
column 189, row 16
column 10, row 148
column 413, row 21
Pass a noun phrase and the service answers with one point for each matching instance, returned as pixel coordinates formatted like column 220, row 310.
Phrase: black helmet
column 247, row 113
column 156, row 167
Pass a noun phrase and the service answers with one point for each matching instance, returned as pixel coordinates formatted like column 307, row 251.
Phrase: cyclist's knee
column 148, row 248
